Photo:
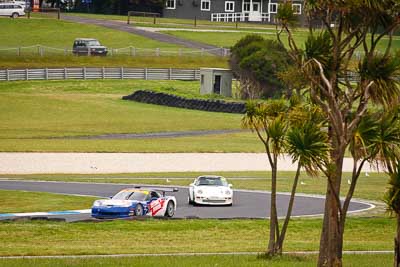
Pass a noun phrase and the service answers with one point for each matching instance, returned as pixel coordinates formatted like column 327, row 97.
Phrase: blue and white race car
column 136, row 202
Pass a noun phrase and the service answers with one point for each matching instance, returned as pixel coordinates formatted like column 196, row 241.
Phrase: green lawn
column 174, row 22
column 38, row 201
column 228, row 39
column 61, row 34
column 205, row 261
column 70, row 108
column 208, row 235
column 28, row 33
column 33, row 113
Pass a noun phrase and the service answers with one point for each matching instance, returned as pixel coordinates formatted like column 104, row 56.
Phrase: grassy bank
column 122, row 237
column 56, row 36
column 242, row 260
column 11, row 201
column 36, row 114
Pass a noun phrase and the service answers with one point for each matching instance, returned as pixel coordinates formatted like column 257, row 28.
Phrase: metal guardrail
column 99, row 73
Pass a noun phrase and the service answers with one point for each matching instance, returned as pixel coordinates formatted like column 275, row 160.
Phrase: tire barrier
column 150, row 97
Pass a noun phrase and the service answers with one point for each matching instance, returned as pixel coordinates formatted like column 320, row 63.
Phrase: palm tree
column 305, row 141
column 268, row 121
column 307, row 144
column 325, row 62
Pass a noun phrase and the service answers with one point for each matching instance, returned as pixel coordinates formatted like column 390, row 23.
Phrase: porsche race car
column 136, row 202
column 210, row 190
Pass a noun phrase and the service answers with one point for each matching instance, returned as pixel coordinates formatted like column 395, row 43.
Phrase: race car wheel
column 170, row 211
column 190, row 201
column 139, row 210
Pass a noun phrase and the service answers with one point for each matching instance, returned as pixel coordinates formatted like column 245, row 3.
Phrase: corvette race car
column 210, row 190
column 136, row 202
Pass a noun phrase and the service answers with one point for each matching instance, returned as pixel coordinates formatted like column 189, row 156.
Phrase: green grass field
column 61, row 34
column 28, row 33
column 39, row 201
column 207, row 235
column 33, row 113
column 205, row 261
column 177, row 23
column 229, row 39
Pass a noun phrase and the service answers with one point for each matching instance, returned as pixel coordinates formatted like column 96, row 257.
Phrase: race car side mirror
column 110, row 197
column 230, row 185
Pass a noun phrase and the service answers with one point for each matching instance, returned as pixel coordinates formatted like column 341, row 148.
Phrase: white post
column 46, row 73
column 26, row 74
column 269, row 11
column 122, row 73
column 103, row 72
column 84, row 73
column 7, row 74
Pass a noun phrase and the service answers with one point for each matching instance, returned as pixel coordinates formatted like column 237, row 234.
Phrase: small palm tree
column 268, row 120
column 307, row 144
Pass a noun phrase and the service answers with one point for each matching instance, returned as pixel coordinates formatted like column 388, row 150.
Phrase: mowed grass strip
column 166, row 236
column 59, row 34
column 228, row 39
column 74, row 108
column 13, row 201
column 371, row 186
column 59, row 61
column 217, row 260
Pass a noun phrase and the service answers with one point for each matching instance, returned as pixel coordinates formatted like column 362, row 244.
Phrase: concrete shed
column 216, row 81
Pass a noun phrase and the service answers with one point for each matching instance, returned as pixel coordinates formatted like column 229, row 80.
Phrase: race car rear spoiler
column 162, row 189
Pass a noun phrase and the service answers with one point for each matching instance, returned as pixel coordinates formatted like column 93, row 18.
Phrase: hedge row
column 163, row 99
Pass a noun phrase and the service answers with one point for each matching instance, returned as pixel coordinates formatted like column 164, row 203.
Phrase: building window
column 205, row 5
column 273, row 8
column 170, row 4
column 246, row 6
column 229, row 6
column 296, row 8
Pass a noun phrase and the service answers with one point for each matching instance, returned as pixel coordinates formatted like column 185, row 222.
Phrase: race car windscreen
column 212, row 181
column 125, row 195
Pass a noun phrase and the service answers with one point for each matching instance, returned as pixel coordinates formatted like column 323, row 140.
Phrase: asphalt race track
column 246, row 204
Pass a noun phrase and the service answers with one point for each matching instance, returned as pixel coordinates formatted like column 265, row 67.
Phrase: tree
column 256, row 63
column 294, row 129
column 326, row 61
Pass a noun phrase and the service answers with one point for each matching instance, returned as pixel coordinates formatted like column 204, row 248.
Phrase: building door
column 217, row 84
column 255, row 15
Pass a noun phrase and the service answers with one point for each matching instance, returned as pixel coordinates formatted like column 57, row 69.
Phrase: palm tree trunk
column 331, row 242
column 273, row 215
column 289, row 211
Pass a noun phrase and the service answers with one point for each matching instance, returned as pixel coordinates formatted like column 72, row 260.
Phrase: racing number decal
column 156, row 205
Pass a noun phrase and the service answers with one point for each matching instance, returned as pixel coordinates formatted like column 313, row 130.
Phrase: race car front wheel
column 170, row 209
column 139, row 210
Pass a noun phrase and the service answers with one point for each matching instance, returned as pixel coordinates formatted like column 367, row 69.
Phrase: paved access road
column 247, row 204
column 121, row 26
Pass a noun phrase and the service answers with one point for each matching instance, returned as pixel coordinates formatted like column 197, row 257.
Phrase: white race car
column 210, row 190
